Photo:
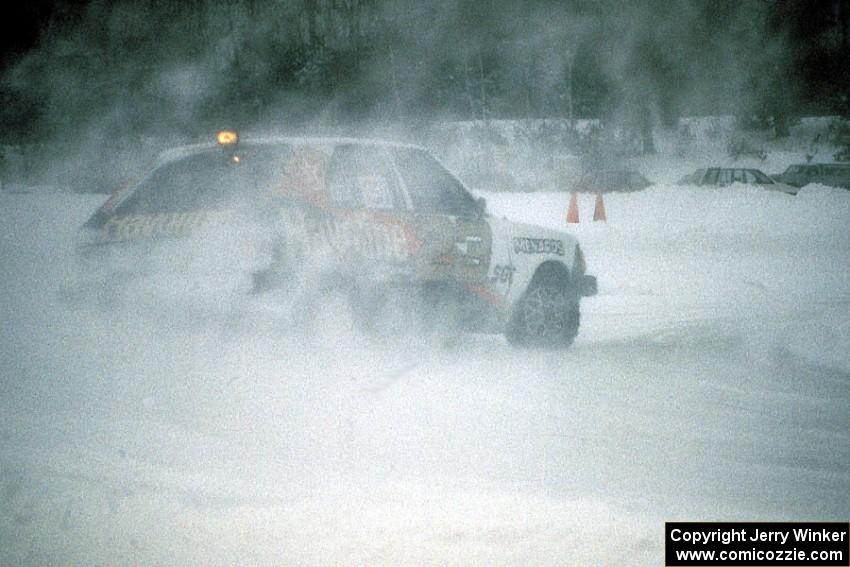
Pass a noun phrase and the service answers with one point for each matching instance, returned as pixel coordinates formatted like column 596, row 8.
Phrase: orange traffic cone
column 572, row 211
column 599, row 209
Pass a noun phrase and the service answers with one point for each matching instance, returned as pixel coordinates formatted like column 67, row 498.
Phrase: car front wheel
column 546, row 316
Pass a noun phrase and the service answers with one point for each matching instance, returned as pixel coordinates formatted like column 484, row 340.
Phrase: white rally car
column 366, row 217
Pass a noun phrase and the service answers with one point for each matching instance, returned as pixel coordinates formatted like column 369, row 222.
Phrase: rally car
column 362, row 216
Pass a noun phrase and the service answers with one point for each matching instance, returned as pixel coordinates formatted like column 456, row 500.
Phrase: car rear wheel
column 546, row 316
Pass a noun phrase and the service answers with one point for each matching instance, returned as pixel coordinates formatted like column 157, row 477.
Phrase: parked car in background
column 832, row 174
column 723, row 176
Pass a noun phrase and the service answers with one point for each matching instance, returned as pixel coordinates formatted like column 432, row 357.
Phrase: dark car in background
column 832, row 174
column 724, row 176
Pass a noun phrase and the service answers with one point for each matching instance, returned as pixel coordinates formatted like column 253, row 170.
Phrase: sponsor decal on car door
column 355, row 221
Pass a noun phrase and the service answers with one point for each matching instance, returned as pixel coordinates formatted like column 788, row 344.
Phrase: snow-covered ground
column 710, row 381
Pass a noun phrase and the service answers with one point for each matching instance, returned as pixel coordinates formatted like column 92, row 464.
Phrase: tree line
column 132, row 68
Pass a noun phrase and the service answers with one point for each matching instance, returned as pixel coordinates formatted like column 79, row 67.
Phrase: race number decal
column 525, row 245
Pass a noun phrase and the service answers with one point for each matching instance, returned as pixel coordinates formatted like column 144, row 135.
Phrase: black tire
column 547, row 316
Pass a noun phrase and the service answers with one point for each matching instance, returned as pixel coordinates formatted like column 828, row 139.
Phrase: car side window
column 738, row 176
column 432, row 189
column 711, row 176
column 360, row 176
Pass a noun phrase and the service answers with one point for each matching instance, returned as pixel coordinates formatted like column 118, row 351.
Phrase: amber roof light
column 227, row 137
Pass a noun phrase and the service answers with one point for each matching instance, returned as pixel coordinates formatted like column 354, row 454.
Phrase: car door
column 456, row 240
column 370, row 229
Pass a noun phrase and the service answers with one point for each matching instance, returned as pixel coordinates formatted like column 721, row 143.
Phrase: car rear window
column 208, row 180
column 346, row 176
